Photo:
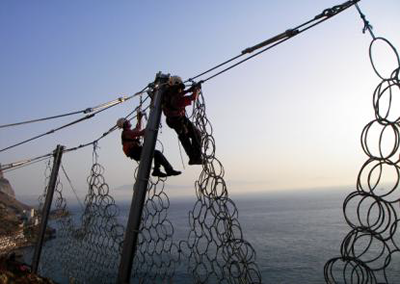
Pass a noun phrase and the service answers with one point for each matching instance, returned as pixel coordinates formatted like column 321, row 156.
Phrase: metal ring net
column 87, row 249
column 88, row 252
column 215, row 249
column 370, row 253
column 157, row 254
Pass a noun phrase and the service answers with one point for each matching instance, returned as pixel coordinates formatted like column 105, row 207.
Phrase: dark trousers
column 159, row 158
column 188, row 134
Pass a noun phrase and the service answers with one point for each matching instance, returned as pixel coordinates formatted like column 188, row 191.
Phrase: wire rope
column 41, row 119
column 72, row 187
column 26, row 162
column 99, row 109
column 112, row 129
column 31, row 162
column 85, row 111
column 276, row 40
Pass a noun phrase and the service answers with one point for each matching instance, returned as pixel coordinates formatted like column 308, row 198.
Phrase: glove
column 196, row 86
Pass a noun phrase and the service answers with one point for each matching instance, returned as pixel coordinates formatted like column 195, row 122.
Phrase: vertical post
column 47, row 206
column 140, row 187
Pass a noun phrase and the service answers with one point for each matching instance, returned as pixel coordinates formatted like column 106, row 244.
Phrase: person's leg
column 159, row 159
column 157, row 163
column 178, row 125
column 194, row 134
column 136, row 153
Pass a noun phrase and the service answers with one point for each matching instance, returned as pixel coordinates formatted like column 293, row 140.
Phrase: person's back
column 130, row 138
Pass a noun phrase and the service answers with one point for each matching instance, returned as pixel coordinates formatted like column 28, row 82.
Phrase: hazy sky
column 288, row 119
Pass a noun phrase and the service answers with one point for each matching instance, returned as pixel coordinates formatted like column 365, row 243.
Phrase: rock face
column 10, row 212
column 5, row 186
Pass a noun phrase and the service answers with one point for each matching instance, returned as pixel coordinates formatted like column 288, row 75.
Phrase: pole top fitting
column 160, row 75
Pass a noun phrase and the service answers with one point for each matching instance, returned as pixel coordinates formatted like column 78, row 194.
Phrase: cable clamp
column 335, row 9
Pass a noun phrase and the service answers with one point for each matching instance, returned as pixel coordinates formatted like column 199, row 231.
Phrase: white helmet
column 121, row 122
column 175, row 80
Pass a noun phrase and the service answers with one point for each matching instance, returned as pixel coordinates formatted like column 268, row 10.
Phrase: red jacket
column 175, row 102
column 130, row 138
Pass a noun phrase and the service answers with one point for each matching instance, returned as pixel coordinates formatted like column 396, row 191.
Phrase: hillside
column 5, row 186
column 10, row 211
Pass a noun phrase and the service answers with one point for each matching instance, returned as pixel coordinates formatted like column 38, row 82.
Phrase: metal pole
column 140, row 187
column 47, row 206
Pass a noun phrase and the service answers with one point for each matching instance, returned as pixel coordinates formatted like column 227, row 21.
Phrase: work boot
column 158, row 173
column 172, row 172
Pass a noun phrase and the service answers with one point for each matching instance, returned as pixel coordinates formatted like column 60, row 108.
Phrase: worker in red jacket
column 174, row 102
column 132, row 147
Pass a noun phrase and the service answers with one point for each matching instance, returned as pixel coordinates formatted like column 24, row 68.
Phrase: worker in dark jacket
column 174, row 102
column 132, row 147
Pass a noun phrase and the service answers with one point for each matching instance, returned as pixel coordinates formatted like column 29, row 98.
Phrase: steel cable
column 98, row 110
column 84, row 111
column 21, row 164
column 72, row 187
column 276, row 40
column 41, row 119
column 27, row 162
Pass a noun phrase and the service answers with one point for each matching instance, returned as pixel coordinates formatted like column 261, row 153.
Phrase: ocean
column 293, row 233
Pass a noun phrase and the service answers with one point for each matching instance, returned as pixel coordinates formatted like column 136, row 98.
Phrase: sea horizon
column 293, row 233
column 32, row 200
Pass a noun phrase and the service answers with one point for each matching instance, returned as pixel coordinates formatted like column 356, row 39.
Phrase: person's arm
column 137, row 131
column 133, row 134
column 187, row 100
column 139, row 121
column 196, row 93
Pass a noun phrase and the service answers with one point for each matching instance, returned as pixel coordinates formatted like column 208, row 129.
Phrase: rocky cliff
column 10, row 212
column 10, row 208
column 5, row 187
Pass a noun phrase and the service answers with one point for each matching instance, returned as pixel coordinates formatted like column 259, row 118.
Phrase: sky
column 289, row 119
